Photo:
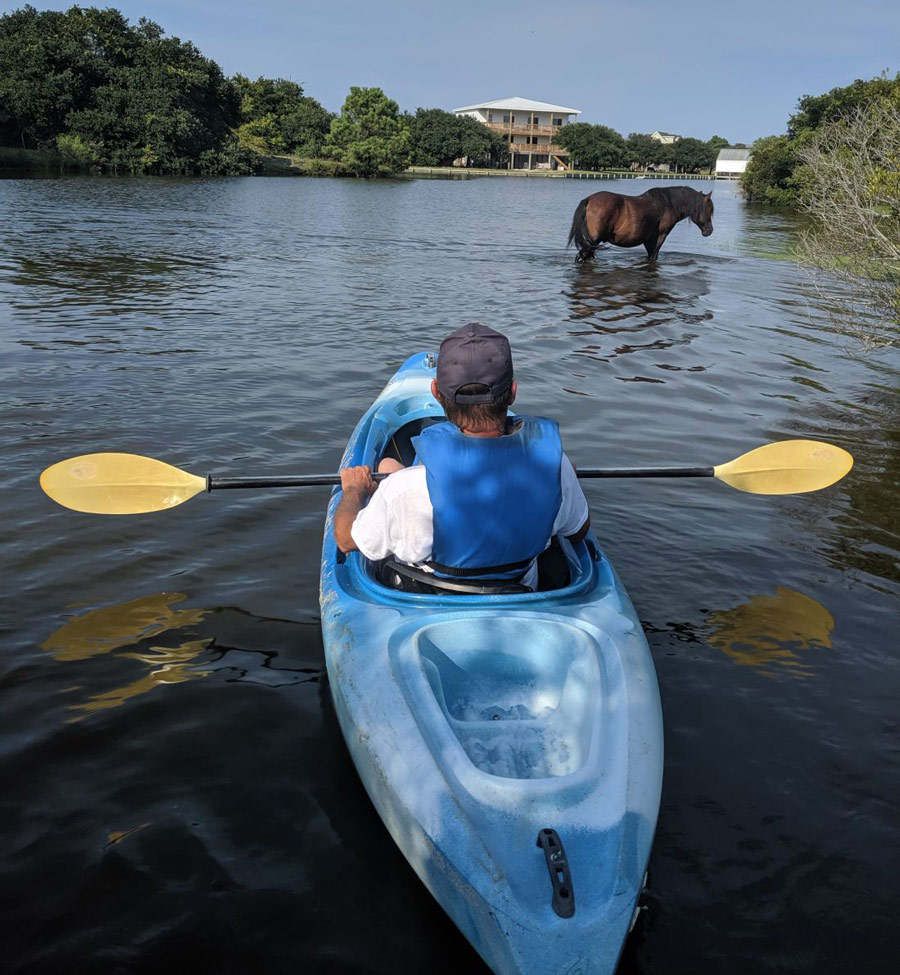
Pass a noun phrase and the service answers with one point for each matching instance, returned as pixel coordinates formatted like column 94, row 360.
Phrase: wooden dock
column 457, row 172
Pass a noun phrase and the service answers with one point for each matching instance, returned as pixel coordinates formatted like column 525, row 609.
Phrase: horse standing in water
column 627, row 221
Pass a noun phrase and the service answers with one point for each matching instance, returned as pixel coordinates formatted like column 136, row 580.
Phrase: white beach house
column 529, row 127
column 730, row 163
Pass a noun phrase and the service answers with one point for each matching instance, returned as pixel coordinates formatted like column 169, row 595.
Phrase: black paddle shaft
column 311, row 480
column 646, row 472
column 296, row 480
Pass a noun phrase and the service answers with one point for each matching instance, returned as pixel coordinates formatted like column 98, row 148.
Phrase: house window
column 536, row 120
column 506, row 118
column 490, row 116
column 557, row 121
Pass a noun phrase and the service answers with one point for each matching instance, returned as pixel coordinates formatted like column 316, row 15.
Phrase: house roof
column 522, row 105
column 733, row 154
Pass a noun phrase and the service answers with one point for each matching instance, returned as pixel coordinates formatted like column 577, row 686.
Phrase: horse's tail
column 578, row 231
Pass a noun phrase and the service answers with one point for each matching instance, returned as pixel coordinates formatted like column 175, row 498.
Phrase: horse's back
column 606, row 198
column 604, row 204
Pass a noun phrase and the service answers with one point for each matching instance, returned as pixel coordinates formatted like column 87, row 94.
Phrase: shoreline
column 17, row 161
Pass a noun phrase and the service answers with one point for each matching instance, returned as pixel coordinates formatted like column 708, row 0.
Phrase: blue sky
column 710, row 67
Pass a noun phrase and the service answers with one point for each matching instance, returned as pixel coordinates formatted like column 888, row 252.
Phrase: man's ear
column 434, row 389
column 512, row 394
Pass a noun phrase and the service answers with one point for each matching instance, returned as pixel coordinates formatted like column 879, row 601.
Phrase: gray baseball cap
column 474, row 354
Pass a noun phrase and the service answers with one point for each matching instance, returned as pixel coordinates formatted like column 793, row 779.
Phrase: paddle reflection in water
column 772, row 631
column 131, row 624
column 110, row 628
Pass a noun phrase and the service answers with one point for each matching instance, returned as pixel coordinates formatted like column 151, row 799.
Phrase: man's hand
column 358, row 486
column 358, row 479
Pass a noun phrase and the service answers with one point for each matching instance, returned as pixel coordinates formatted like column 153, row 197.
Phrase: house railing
column 541, row 148
column 522, row 128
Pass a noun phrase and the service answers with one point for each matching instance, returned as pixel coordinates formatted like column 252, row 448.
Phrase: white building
column 730, row 163
column 666, row 138
column 529, row 128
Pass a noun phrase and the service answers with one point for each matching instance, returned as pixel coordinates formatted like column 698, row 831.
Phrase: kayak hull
column 476, row 722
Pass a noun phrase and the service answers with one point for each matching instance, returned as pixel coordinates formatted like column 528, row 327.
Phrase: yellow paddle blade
column 786, row 467
column 118, row 484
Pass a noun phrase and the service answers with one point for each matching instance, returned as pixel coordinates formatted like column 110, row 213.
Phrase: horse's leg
column 596, row 230
column 653, row 246
column 580, row 231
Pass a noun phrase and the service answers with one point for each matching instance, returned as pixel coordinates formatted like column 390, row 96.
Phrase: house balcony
column 542, row 150
column 522, row 128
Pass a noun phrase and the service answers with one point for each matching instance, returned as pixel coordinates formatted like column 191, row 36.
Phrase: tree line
column 600, row 147
column 839, row 161
column 777, row 172
column 120, row 98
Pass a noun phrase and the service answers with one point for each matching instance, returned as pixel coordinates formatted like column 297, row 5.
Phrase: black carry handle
column 563, row 902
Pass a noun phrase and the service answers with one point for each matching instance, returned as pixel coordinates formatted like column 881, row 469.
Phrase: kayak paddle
column 129, row 484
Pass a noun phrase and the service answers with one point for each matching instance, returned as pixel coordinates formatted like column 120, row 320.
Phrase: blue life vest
column 495, row 499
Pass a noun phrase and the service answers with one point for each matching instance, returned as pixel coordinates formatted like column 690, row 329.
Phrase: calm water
column 175, row 788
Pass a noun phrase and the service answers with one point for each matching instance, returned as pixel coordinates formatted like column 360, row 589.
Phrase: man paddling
column 489, row 493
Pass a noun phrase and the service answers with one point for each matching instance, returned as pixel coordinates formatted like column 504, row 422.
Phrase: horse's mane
column 685, row 199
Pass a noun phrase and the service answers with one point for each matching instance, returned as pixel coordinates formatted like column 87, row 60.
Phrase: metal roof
column 517, row 104
column 733, row 154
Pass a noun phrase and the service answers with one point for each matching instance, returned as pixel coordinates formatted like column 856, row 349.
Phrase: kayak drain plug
column 563, row 902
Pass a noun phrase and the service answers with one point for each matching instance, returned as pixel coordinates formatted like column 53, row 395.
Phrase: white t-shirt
column 398, row 518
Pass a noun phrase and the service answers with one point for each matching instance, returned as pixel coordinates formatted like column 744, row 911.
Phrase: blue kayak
column 512, row 744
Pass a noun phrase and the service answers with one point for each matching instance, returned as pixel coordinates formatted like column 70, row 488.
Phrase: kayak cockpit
column 519, row 695
column 588, row 571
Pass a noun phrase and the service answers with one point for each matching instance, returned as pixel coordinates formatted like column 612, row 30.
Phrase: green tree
column 110, row 95
column 168, row 110
column 483, row 146
column 770, row 176
column 369, row 138
column 438, row 137
column 851, row 187
column 593, row 146
column 50, row 65
column 690, row 155
column 276, row 117
column 642, row 151
column 814, row 111
column 775, row 171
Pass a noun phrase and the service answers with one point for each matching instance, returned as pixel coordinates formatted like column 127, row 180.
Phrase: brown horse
column 627, row 221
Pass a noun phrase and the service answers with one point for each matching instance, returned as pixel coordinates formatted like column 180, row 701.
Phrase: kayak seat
column 408, row 578
column 400, row 446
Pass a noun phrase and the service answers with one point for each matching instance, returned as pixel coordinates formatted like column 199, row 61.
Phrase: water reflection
column 103, row 631
column 168, row 665
column 112, row 627
column 627, row 297
column 120, row 834
column 232, row 643
column 773, row 631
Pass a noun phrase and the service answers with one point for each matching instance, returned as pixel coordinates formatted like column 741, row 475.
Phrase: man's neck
column 481, row 433
column 497, row 431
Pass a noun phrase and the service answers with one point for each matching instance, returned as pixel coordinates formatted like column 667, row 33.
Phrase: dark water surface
column 175, row 791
